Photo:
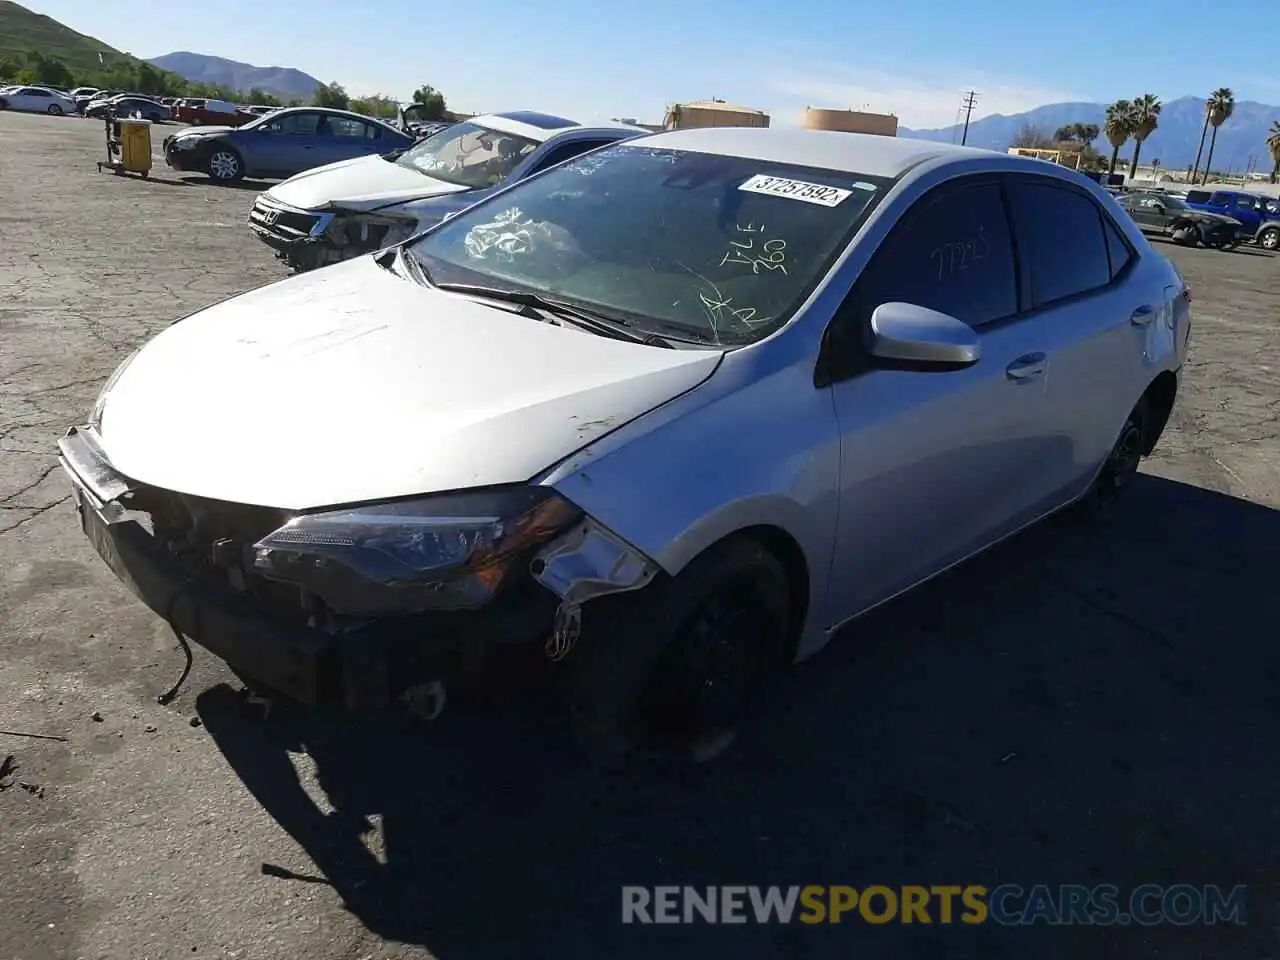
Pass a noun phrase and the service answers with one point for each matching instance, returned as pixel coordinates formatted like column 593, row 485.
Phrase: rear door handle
column 1027, row 367
column 1143, row 315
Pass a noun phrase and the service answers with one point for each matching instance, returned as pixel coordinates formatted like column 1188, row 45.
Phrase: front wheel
column 55, row 110
column 1269, row 239
column 673, row 670
column 225, row 166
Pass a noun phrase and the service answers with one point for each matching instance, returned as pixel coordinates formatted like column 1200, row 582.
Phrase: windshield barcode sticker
column 795, row 190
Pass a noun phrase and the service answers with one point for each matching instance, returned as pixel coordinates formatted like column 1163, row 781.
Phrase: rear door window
column 1061, row 240
column 352, row 128
column 951, row 252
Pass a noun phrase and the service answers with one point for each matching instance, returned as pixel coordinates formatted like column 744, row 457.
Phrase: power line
column 967, row 105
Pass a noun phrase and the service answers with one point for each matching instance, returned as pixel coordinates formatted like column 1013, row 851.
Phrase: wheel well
column 788, row 553
column 1159, row 397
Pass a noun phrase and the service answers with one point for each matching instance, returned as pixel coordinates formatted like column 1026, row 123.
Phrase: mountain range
column 1241, row 139
column 283, row 82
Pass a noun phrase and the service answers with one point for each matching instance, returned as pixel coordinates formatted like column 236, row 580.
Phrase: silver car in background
column 675, row 410
column 344, row 210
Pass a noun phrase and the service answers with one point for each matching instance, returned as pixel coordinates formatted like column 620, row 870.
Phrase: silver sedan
column 37, row 100
column 674, row 410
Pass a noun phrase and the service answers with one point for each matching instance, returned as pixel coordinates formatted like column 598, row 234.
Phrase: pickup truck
column 1259, row 216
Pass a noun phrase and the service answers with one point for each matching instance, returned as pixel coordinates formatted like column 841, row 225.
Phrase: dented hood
column 351, row 383
column 362, row 184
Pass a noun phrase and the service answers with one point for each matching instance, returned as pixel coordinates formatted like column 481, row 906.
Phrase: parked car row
column 671, row 411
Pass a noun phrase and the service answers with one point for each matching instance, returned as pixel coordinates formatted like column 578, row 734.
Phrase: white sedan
column 36, row 100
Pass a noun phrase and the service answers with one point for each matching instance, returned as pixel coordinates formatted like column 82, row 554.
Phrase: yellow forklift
column 128, row 145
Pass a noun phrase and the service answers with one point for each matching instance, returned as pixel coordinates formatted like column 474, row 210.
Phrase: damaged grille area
column 281, row 222
column 212, row 541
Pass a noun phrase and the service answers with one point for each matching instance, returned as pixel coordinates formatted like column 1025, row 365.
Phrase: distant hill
column 1174, row 142
column 283, row 82
column 22, row 30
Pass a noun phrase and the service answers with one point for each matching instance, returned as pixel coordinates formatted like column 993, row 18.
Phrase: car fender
column 748, row 448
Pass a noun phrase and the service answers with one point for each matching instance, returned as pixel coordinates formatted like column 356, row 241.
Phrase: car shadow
column 245, row 184
column 1081, row 705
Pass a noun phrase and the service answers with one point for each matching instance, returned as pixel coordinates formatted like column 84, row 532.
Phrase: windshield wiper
column 614, row 327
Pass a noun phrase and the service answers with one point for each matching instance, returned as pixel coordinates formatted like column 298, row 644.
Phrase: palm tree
column 1204, row 132
column 1118, row 127
column 1273, row 145
column 1146, row 117
column 1218, row 110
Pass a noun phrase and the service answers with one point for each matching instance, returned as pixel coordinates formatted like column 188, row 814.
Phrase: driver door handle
column 1143, row 315
column 1027, row 367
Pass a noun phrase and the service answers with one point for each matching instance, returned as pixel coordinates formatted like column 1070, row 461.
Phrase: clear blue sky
column 596, row 59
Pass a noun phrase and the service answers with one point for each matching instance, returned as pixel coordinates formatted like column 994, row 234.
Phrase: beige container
column 849, row 121
column 713, row 113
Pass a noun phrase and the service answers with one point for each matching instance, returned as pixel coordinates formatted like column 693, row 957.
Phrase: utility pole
column 966, row 105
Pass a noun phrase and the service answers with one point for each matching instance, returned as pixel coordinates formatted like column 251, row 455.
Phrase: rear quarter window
column 1061, row 240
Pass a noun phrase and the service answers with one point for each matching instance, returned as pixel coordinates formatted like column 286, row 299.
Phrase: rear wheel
column 1269, row 239
column 55, row 110
column 673, row 670
column 1121, row 466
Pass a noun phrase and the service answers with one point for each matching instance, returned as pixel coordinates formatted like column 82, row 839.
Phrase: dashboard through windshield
column 469, row 155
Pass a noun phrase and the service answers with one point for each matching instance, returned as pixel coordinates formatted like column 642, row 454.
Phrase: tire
column 196, row 121
column 1269, row 239
column 1186, row 236
column 671, row 671
column 54, row 110
column 1116, row 476
column 224, row 165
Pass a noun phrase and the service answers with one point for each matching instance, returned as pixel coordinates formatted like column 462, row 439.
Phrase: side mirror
column 906, row 333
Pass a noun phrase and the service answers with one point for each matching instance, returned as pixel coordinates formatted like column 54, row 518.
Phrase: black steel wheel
column 672, row 671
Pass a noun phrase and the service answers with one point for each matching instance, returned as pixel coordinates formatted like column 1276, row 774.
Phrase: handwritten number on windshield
column 958, row 255
column 769, row 255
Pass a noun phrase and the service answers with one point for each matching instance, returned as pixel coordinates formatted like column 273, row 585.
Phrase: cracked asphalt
column 1080, row 706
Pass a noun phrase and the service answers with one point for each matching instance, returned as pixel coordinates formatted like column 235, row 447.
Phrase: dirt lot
column 1076, row 708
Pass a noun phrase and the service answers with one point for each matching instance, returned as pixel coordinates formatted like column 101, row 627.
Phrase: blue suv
column 1259, row 216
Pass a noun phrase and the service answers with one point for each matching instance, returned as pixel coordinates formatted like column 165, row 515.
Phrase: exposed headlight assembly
column 446, row 552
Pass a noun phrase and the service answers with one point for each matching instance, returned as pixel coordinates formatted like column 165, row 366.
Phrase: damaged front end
column 362, row 606
column 308, row 239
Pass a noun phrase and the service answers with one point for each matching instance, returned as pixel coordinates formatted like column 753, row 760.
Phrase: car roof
column 541, row 127
column 864, row 153
column 336, row 113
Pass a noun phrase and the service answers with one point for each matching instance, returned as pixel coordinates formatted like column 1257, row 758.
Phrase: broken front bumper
column 282, row 227
column 368, row 666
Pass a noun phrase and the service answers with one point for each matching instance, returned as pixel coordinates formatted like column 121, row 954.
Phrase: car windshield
column 707, row 247
column 468, row 154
